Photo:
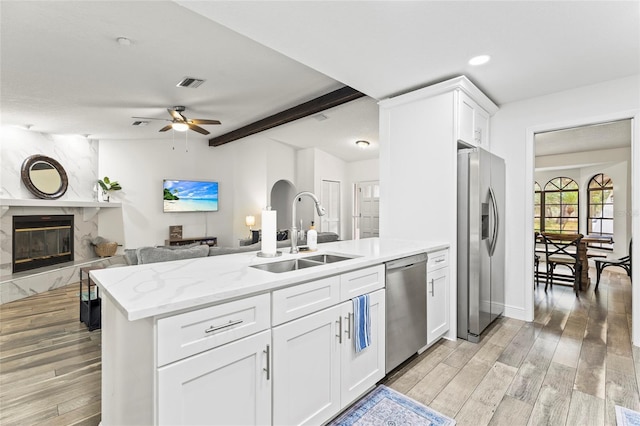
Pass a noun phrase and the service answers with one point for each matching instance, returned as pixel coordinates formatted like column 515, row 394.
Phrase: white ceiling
column 616, row 134
column 62, row 70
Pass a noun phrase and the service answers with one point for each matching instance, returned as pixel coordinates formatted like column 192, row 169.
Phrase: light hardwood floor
column 570, row 366
column 49, row 362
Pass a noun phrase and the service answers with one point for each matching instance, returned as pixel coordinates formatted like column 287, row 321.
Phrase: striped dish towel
column 361, row 322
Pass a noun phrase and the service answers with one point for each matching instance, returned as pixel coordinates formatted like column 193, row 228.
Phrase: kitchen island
column 216, row 338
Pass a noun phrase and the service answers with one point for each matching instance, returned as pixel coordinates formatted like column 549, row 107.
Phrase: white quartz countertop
column 160, row 289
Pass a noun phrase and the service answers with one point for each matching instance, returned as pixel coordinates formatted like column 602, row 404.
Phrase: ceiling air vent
column 190, row 82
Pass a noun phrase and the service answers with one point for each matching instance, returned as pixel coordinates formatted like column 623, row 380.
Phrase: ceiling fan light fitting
column 180, row 127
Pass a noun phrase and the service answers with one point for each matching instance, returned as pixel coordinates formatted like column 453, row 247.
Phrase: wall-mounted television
column 190, row 196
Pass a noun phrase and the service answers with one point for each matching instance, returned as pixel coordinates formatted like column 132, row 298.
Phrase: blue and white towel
column 361, row 322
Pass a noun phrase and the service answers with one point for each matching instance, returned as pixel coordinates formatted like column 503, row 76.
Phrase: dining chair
column 562, row 249
column 536, row 259
column 623, row 262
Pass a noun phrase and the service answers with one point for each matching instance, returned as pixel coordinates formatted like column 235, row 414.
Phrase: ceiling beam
column 330, row 100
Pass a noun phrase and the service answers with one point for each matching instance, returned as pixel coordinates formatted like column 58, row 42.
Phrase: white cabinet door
column 473, row 122
column 229, row 385
column 362, row 370
column 466, row 112
column 306, row 368
column 437, row 303
column 481, row 128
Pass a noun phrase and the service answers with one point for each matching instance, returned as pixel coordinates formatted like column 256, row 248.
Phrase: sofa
column 156, row 254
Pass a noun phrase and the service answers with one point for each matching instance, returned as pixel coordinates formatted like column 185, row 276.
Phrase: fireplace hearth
column 41, row 240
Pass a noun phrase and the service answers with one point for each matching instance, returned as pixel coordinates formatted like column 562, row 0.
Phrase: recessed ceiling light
column 123, row 41
column 362, row 144
column 479, row 60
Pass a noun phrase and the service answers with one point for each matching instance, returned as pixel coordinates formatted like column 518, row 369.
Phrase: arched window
column 600, row 208
column 537, row 206
column 561, row 206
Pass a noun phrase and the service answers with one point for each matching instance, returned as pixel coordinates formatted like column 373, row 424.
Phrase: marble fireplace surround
column 86, row 215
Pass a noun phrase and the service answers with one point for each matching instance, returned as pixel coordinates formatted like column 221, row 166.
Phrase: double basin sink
column 301, row 263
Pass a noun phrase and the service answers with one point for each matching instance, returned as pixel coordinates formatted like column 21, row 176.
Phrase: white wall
column 243, row 169
column 512, row 135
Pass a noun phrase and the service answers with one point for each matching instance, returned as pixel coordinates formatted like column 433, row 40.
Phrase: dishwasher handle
column 406, row 261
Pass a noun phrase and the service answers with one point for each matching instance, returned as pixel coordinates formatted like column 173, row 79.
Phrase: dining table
column 583, row 256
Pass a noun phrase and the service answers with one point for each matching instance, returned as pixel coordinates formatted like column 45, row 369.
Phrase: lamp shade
column 250, row 220
column 180, row 127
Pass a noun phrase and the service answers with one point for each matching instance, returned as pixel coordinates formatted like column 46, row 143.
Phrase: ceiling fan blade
column 198, row 129
column 203, row 121
column 165, row 128
column 151, row 118
column 176, row 115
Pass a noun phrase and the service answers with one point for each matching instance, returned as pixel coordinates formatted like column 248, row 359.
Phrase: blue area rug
column 626, row 417
column 385, row 407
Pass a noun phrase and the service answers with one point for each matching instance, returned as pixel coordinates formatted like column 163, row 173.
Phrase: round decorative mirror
column 44, row 177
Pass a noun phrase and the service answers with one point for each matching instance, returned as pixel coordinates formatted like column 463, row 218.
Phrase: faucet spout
column 294, row 231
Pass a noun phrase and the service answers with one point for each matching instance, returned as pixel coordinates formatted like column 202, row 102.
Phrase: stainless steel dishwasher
column 406, row 308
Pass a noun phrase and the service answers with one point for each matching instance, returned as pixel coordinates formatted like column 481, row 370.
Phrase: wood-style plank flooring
column 50, row 367
column 570, row 366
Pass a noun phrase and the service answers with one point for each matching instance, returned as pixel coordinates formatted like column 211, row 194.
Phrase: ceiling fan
column 181, row 123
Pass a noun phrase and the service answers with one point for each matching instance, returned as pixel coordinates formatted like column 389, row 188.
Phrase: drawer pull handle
column 268, row 368
column 439, row 260
column 220, row 327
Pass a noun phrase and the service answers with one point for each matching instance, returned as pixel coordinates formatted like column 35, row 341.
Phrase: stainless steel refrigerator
column 481, row 194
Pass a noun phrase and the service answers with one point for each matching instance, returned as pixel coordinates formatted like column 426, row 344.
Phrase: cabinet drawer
column 362, row 281
column 438, row 259
column 186, row 334
column 303, row 299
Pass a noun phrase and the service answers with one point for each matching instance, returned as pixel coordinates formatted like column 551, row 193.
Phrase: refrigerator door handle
column 496, row 222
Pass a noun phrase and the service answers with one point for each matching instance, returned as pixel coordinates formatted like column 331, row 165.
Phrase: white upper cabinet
column 473, row 122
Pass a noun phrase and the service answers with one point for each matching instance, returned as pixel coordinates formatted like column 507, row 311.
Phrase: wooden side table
column 90, row 303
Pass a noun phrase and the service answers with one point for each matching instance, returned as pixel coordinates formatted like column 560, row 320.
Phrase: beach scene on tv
column 190, row 196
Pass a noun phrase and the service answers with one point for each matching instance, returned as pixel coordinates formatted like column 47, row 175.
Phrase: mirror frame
column 26, row 179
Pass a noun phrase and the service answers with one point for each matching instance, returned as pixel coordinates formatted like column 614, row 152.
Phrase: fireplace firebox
column 41, row 240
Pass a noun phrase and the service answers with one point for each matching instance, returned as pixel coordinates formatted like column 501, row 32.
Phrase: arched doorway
column 282, row 193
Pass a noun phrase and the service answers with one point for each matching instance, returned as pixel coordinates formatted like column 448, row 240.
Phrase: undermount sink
column 327, row 258
column 304, row 262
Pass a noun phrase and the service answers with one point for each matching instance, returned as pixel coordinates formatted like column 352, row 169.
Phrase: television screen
column 190, row 196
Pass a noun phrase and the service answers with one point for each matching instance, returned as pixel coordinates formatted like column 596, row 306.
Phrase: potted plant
column 107, row 185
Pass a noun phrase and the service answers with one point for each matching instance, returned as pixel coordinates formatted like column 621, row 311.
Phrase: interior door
column 367, row 215
column 330, row 199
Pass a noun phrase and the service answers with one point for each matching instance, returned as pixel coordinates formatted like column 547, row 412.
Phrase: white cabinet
column 214, row 365
column 473, row 122
column 229, row 385
column 437, row 295
column 361, row 370
column 306, row 369
column 317, row 371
